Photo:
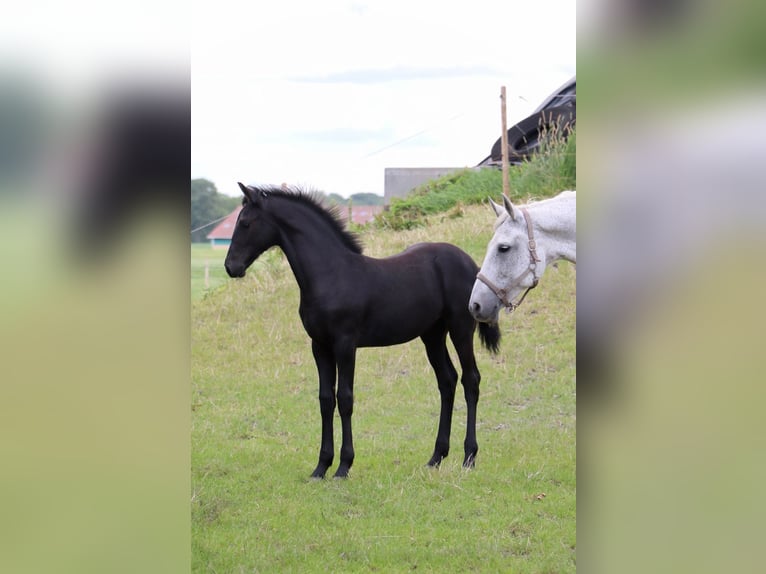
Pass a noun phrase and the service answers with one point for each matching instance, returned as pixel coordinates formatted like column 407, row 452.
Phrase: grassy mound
column 552, row 170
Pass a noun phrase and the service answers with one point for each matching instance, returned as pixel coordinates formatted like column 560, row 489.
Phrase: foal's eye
column 503, row 248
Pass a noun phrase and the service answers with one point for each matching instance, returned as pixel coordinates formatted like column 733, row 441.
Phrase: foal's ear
column 509, row 207
column 246, row 190
column 498, row 209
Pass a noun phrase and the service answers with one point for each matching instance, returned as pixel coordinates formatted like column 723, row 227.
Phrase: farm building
column 221, row 234
column 361, row 214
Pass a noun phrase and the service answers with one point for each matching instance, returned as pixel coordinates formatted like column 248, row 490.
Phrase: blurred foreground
column 672, row 180
column 94, row 172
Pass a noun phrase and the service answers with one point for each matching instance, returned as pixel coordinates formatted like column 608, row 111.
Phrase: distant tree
column 336, row 199
column 367, row 199
column 357, row 199
column 207, row 205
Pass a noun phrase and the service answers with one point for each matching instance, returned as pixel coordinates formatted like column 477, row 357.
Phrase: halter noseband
column 502, row 293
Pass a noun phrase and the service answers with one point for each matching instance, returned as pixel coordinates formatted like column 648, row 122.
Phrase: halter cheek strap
column 502, row 293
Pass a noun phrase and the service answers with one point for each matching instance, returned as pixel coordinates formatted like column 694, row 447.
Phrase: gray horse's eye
column 503, row 248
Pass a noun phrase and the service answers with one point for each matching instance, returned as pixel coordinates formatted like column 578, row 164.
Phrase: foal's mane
column 314, row 200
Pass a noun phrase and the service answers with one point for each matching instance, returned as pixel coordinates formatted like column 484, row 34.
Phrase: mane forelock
column 314, row 199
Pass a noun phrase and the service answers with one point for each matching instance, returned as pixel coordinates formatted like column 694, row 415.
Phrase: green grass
column 255, row 436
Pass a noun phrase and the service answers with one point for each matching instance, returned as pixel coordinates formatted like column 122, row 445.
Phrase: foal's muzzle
column 235, row 271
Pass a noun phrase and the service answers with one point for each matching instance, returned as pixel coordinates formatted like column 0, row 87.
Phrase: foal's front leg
column 325, row 362
column 345, row 357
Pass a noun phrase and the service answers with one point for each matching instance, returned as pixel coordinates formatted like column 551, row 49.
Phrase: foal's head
column 510, row 267
column 254, row 232
column 270, row 216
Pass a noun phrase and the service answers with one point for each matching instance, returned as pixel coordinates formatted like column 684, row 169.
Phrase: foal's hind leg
column 462, row 338
column 446, row 377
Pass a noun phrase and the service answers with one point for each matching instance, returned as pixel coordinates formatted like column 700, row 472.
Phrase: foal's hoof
column 469, row 462
column 319, row 472
column 342, row 472
column 435, row 461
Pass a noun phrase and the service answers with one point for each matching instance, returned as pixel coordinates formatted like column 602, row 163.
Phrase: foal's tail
column 489, row 335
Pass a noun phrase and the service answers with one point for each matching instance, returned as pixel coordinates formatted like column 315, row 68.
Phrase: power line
column 420, row 133
column 209, row 224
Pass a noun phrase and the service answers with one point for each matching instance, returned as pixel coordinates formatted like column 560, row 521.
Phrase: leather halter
column 502, row 293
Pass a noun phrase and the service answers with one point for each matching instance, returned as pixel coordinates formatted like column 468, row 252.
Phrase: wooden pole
column 504, row 143
column 207, row 273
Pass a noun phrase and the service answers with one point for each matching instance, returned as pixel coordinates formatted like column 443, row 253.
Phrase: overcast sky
column 327, row 94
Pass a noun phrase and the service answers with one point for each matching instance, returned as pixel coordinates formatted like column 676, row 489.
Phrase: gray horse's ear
column 498, row 209
column 509, row 207
column 246, row 190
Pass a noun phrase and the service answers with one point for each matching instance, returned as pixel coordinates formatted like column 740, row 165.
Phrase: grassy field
column 255, row 436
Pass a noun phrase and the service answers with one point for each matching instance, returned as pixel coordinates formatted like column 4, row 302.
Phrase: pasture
column 203, row 255
column 256, row 422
